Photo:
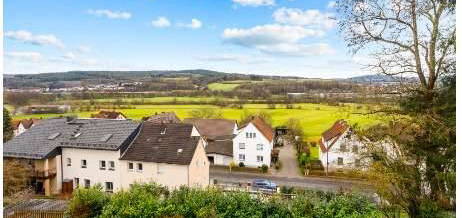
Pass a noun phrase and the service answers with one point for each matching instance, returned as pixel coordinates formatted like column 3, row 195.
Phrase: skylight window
column 77, row 134
column 54, row 136
column 162, row 132
column 105, row 138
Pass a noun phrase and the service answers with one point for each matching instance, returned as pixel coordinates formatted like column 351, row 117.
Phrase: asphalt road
column 313, row 183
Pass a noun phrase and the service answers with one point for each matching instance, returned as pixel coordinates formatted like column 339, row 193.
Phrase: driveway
column 288, row 159
column 314, row 183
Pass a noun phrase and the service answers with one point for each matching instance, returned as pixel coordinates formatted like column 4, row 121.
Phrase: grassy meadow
column 315, row 118
column 222, row 86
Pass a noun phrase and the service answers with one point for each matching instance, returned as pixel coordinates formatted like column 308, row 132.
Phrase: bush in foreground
column 150, row 200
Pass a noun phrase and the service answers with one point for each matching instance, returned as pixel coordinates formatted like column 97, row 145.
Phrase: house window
column 139, row 167
column 102, row 165
column 247, row 135
column 87, row 183
column 254, row 135
column 84, row 163
column 130, row 166
column 109, row 187
column 68, row 162
column 77, row 182
column 111, row 165
column 241, row 145
column 355, row 148
column 259, row 147
column 259, row 158
column 242, row 157
column 357, row 162
column 340, row 161
column 343, row 147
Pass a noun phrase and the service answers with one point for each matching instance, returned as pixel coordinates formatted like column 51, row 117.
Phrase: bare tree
column 404, row 37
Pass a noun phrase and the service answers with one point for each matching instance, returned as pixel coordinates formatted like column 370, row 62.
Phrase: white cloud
column 268, row 34
column 331, row 4
column 110, row 14
column 24, row 56
column 312, row 17
column 161, row 22
column 278, row 39
column 243, row 59
column 195, row 24
column 297, row 49
column 28, row 37
column 84, row 49
column 255, row 3
column 69, row 56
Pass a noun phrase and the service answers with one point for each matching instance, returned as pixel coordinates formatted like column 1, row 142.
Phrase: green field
column 222, row 86
column 315, row 118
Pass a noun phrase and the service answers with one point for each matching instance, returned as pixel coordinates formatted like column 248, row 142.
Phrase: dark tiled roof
column 334, row 132
column 38, row 143
column 164, row 117
column 263, row 127
column 107, row 115
column 175, row 146
column 224, row 147
column 213, row 128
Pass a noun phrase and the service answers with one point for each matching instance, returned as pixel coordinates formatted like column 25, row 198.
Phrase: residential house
column 109, row 115
column 219, row 134
column 20, row 126
column 340, row 148
column 114, row 153
column 164, row 117
column 168, row 154
column 253, row 143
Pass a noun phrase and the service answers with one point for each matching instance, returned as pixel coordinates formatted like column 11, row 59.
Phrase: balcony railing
column 45, row 174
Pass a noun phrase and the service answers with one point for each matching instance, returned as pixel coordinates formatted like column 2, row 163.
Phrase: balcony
column 45, row 174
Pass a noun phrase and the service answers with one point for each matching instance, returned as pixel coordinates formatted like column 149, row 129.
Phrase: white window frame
column 259, row 147
column 241, row 145
column 259, row 157
column 254, row 135
column 242, row 157
column 102, row 165
column 133, row 166
column 68, row 162
column 111, row 188
column 338, row 161
column 82, row 165
column 111, row 165
column 138, row 167
column 77, row 181
column 85, row 183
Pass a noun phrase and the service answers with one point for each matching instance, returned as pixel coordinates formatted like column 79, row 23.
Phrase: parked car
column 264, row 185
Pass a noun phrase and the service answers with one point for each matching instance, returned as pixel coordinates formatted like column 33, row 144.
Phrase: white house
column 167, row 154
column 340, row 148
column 253, row 143
column 21, row 126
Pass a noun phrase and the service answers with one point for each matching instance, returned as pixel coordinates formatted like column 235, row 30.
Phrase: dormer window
column 77, row 135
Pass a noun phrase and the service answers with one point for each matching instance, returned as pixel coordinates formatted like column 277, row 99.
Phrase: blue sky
column 271, row 37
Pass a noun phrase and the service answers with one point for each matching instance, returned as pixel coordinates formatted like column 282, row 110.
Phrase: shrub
column 241, row 164
column 87, row 202
column 264, row 168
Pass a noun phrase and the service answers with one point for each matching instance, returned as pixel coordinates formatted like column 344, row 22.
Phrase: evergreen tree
column 7, row 126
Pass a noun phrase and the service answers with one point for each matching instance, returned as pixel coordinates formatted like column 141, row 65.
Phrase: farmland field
column 222, row 86
column 315, row 118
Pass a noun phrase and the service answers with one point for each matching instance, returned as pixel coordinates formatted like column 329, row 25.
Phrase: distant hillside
column 197, row 76
column 379, row 78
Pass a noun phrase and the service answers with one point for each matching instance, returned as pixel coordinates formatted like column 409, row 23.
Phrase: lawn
column 222, row 86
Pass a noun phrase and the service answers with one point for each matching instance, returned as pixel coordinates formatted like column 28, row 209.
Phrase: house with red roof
column 253, row 143
column 20, row 126
column 115, row 115
column 340, row 148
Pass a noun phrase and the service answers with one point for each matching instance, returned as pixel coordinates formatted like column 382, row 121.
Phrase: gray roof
column 38, row 142
column 170, row 143
column 224, row 147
